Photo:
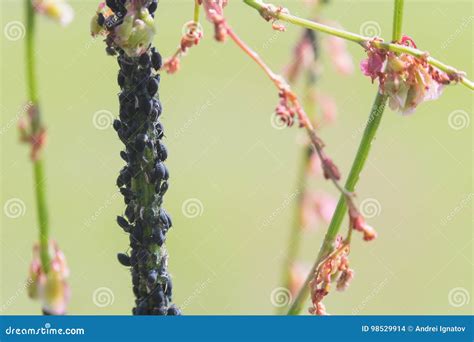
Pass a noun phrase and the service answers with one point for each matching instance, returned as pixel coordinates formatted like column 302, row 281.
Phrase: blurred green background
column 225, row 153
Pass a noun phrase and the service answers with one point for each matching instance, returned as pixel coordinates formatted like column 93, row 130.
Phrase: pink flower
column 316, row 208
column 215, row 14
column 328, row 108
column 58, row 10
column 340, row 56
column 50, row 288
column 358, row 223
column 407, row 80
column 303, row 57
column 298, row 274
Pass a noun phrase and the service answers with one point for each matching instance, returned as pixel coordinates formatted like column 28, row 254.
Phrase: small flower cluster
column 191, row 36
column 215, row 14
column 127, row 24
column 144, row 179
column 50, row 287
column 357, row 222
column 58, row 10
column 30, row 134
column 407, row 80
column 335, row 268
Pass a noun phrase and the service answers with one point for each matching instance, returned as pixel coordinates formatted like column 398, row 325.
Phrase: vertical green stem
column 39, row 184
column 294, row 241
column 397, row 20
column 357, row 166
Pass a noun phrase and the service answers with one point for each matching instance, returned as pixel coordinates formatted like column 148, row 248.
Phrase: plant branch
column 362, row 153
column 271, row 12
column 330, row 170
column 36, row 127
column 357, row 166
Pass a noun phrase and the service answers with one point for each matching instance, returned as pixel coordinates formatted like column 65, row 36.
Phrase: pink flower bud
column 51, row 287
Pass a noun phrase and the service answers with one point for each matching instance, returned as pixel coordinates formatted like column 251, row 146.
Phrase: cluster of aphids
column 144, row 180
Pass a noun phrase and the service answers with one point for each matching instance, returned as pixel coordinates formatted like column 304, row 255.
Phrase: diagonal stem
column 357, row 166
column 362, row 153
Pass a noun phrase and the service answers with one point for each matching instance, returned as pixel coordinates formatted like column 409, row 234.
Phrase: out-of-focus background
column 237, row 170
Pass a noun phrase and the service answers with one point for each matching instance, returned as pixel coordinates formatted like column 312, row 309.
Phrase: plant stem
column 36, row 126
column 269, row 14
column 294, row 241
column 357, row 166
column 397, row 20
column 197, row 9
column 362, row 153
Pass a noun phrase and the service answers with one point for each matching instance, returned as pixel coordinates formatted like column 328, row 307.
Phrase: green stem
column 357, row 166
column 197, row 9
column 36, row 126
column 397, row 20
column 362, row 153
column 294, row 242
column 357, row 38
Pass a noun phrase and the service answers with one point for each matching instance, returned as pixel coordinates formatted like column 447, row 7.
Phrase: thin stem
column 197, row 10
column 271, row 13
column 36, row 126
column 294, row 241
column 330, row 170
column 397, row 20
column 362, row 153
column 357, row 166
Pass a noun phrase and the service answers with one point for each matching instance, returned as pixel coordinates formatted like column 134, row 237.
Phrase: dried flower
column 340, row 56
column 215, row 14
column 58, row 10
column 304, row 55
column 31, row 133
column 406, row 79
column 51, row 287
column 316, row 207
column 298, row 274
column 358, row 223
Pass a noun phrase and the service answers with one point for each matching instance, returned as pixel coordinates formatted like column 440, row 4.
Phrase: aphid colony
column 144, row 179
